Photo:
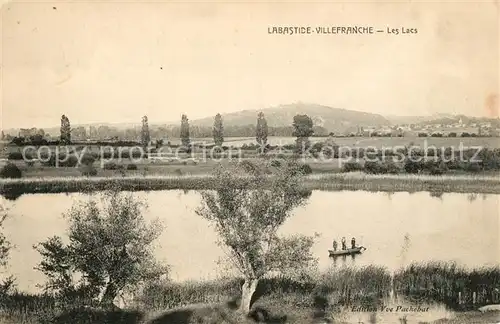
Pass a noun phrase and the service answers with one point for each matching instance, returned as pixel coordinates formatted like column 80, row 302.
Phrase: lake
column 396, row 228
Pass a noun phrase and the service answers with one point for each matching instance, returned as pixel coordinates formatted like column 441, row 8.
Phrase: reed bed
column 336, row 181
column 26, row 308
column 343, row 286
column 450, row 284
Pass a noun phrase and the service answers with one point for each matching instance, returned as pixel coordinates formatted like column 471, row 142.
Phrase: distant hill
column 332, row 119
column 328, row 118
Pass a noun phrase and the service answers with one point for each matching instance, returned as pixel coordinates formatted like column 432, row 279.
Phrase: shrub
column 436, row 171
column 453, row 165
column 381, row 167
column 248, row 166
column 351, row 166
column 131, row 167
column 110, row 166
column 10, row 170
column 412, row 166
column 18, row 141
column 305, row 169
column 390, row 167
column 472, row 167
column 276, row 163
column 16, row 156
column 88, row 170
column 88, row 158
column 71, row 161
column 234, row 155
column 372, row 167
column 436, row 167
column 107, row 155
column 133, row 154
column 490, row 159
column 178, row 171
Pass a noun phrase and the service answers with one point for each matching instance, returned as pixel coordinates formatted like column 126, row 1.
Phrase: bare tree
column 246, row 208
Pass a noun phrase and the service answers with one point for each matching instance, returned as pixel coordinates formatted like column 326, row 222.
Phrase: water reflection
column 343, row 259
column 471, row 197
column 396, row 231
column 436, row 194
column 12, row 195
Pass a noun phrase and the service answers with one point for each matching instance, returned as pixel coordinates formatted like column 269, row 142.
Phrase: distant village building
column 27, row 132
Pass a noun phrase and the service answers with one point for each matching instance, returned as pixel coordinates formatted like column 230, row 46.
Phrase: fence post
column 474, row 298
column 460, row 298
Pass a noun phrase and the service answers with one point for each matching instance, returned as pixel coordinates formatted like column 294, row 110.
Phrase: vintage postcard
column 237, row 162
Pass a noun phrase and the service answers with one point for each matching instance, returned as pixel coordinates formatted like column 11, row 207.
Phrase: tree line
column 302, row 127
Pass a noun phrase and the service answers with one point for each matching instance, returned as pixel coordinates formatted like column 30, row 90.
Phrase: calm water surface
column 397, row 229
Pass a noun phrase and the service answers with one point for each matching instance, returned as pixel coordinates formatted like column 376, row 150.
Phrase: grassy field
column 149, row 168
column 492, row 142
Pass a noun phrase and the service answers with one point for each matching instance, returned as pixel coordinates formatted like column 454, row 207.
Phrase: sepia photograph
column 240, row 162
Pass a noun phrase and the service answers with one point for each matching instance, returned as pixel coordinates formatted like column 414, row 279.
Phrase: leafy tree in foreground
column 218, row 130
column 4, row 243
column 109, row 250
column 5, row 246
column 247, row 214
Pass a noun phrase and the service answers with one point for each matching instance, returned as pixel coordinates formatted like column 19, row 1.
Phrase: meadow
column 491, row 142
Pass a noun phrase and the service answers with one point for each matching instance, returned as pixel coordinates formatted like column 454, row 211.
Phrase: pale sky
column 117, row 61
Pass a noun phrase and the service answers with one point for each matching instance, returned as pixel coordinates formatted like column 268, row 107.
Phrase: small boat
column 356, row 250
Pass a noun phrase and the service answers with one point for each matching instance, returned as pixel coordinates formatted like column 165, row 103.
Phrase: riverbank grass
column 337, row 181
column 299, row 299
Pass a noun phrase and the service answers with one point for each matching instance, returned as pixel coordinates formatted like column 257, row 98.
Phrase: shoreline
column 485, row 184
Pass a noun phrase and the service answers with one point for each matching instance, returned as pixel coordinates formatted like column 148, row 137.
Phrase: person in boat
column 353, row 243
column 334, row 245
column 344, row 247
